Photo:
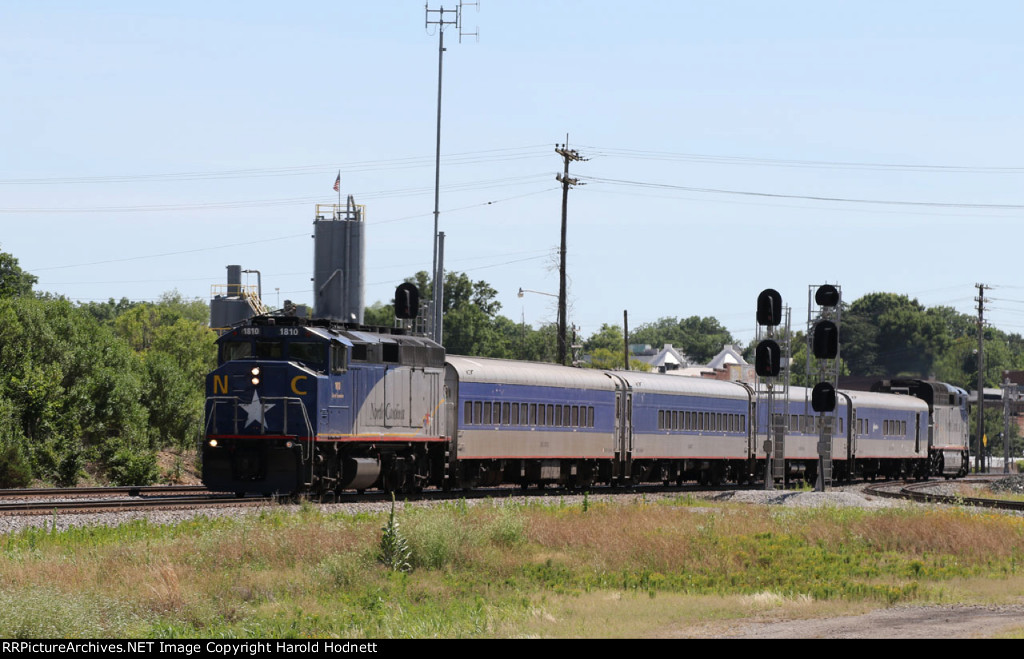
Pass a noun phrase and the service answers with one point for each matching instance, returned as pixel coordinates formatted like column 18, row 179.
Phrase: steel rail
column 133, row 491
column 120, row 505
column 918, row 492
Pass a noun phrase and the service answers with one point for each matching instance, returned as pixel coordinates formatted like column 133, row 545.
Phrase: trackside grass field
column 497, row 570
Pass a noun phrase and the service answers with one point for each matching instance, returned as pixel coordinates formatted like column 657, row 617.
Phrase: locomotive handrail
column 287, row 401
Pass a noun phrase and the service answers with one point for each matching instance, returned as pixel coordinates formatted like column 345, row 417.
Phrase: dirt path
column 953, row 621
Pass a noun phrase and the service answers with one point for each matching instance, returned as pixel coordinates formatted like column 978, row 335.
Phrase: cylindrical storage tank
column 338, row 267
column 234, row 280
column 228, row 311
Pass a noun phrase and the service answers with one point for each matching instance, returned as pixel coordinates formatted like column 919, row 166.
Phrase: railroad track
column 918, row 491
column 77, row 500
column 59, row 501
column 66, row 506
column 132, row 491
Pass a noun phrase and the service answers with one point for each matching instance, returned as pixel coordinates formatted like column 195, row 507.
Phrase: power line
column 776, row 195
column 814, row 164
column 289, row 237
column 480, row 267
column 462, row 208
column 483, row 184
column 533, row 151
column 153, row 256
column 463, row 158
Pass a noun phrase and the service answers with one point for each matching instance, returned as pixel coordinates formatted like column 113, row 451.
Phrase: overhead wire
column 597, row 152
column 777, row 195
column 463, row 158
column 266, row 240
column 484, row 184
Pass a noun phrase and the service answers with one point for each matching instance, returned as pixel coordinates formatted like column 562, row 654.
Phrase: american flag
column 337, row 183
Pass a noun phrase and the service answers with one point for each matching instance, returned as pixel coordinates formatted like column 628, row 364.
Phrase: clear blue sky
column 146, row 146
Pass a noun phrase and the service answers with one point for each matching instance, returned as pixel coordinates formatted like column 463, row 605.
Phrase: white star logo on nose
column 255, row 410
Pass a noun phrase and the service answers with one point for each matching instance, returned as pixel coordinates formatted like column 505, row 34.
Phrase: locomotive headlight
column 255, row 375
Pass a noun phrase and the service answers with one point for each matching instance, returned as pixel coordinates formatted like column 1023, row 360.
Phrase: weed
column 394, row 550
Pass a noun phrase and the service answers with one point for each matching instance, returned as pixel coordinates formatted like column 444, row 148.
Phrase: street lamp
column 561, row 334
column 526, row 290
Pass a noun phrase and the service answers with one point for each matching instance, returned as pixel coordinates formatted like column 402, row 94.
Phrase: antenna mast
column 441, row 17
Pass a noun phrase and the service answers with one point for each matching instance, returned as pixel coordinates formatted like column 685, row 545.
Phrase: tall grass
column 486, row 570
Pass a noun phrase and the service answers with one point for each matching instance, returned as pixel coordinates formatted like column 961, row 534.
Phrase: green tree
column 890, row 335
column 379, row 315
column 14, row 281
column 472, row 325
column 609, row 337
column 529, row 344
column 470, row 331
column 106, row 312
column 700, row 339
column 611, row 360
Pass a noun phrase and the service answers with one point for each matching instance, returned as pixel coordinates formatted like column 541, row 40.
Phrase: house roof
column 728, row 355
column 668, row 358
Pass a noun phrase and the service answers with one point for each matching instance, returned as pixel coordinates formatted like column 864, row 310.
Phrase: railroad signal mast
column 771, row 359
column 824, row 309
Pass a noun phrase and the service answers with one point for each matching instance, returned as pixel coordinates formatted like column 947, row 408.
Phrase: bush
column 14, row 468
column 132, row 465
column 59, row 459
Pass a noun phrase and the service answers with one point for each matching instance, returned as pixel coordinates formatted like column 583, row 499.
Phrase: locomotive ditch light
column 213, row 443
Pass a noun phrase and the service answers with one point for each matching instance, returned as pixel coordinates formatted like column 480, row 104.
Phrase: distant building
column 728, row 364
column 667, row 360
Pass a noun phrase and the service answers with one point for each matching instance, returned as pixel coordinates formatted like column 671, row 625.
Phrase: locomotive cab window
column 312, row 354
column 339, row 358
column 232, row 350
column 269, row 350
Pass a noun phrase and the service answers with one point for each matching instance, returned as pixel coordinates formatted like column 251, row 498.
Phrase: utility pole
column 625, row 339
column 442, row 18
column 568, row 155
column 1009, row 394
column 979, row 446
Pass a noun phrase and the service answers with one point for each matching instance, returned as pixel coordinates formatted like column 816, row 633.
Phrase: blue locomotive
column 315, row 406
column 299, row 406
